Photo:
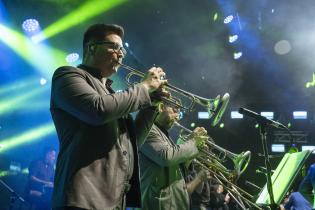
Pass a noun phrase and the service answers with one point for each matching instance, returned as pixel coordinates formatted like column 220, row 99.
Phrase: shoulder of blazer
column 156, row 131
column 63, row 70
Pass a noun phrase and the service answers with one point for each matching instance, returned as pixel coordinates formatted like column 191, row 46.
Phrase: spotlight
column 215, row 16
column 268, row 115
column 282, row 47
column 236, row 115
column 203, row 115
column 15, row 166
column 233, row 38
column 228, row 19
column 30, row 25
column 42, row 81
column 72, row 57
column 308, row 147
column 126, row 44
column 277, row 148
column 192, row 125
column 289, row 125
column 237, row 55
column 221, row 125
column 300, row 115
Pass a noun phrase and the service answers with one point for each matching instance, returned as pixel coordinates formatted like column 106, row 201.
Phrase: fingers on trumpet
column 200, row 136
column 204, row 175
column 154, row 79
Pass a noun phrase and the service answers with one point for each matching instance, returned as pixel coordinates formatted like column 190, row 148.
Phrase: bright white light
column 203, row 115
column 15, row 166
column 308, row 147
column 300, row 115
column 268, row 115
column 42, row 81
column 72, row 57
column 30, row 25
column 233, row 38
column 126, row 44
column 228, row 19
column 236, row 115
column 277, row 147
column 38, row 37
column 181, row 115
column 237, row 55
column 282, row 47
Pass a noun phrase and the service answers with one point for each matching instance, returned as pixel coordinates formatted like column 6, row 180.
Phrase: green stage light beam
column 312, row 83
column 13, row 103
column 13, row 173
column 43, row 58
column 32, row 135
column 86, row 11
column 18, row 85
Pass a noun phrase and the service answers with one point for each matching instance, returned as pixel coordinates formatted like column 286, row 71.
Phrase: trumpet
column 215, row 107
column 240, row 161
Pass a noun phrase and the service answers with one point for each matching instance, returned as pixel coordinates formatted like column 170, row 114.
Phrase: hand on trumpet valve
column 199, row 135
column 154, row 79
column 204, row 175
column 158, row 94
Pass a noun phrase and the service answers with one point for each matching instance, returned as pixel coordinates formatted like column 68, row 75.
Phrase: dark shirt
column 201, row 196
column 40, row 170
column 217, row 201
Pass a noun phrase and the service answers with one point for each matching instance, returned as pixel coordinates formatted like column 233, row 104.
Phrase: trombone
column 215, row 107
column 240, row 161
column 211, row 162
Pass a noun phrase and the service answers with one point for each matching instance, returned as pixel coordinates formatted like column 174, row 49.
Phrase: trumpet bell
column 241, row 162
column 217, row 108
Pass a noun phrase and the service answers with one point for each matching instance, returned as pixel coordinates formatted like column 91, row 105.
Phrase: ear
column 91, row 48
column 160, row 107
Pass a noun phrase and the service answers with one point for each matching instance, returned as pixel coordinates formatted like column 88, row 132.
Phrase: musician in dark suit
column 97, row 166
column 40, row 180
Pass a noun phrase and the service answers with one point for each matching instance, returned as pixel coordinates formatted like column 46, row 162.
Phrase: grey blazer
column 98, row 158
column 162, row 182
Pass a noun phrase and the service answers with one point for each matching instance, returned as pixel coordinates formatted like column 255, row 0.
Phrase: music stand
column 283, row 177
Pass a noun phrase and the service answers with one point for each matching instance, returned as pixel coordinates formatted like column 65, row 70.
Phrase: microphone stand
column 263, row 123
column 263, row 136
column 13, row 196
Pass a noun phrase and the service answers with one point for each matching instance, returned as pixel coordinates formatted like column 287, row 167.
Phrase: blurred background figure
column 218, row 199
column 39, row 185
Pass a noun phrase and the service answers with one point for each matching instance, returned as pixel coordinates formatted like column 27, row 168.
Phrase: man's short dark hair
column 97, row 32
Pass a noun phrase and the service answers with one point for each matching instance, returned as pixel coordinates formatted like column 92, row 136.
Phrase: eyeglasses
column 113, row 45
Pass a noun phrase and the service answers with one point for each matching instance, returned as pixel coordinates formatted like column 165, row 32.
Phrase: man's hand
column 227, row 198
column 199, row 135
column 49, row 184
column 204, row 175
column 153, row 79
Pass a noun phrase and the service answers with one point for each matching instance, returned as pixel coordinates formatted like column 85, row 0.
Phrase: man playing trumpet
column 162, row 164
column 97, row 166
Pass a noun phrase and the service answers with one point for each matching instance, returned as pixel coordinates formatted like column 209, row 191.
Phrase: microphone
column 260, row 119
